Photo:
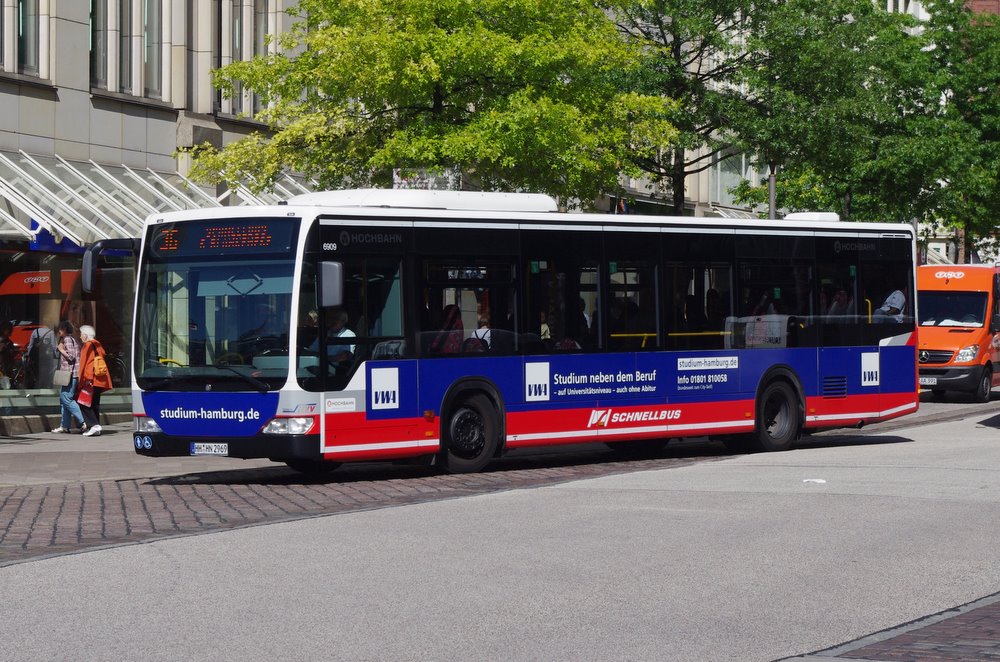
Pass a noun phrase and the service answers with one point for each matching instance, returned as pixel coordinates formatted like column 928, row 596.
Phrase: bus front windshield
column 214, row 305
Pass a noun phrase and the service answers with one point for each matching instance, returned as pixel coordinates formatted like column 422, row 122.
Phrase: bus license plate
column 928, row 381
column 202, row 448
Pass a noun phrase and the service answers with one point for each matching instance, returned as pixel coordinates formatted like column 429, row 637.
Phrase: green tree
column 519, row 94
column 876, row 117
column 964, row 114
column 836, row 83
column 693, row 51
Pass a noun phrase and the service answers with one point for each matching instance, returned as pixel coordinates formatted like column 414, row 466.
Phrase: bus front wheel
column 778, row 419
column 471, row 436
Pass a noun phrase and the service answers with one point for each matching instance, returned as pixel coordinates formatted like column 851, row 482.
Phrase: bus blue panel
column 210, row 414
column 869, row 370
column 438, row 375
column 573, row 380
column 896, row 368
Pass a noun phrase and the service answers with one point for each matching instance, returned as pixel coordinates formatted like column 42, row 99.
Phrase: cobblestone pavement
column 40, row 520
column 969, row 633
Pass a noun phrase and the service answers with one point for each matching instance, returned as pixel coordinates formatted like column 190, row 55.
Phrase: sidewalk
column 45, row 457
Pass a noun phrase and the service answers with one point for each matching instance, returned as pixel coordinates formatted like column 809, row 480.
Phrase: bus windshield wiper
column 261, row 386
column 162, row 382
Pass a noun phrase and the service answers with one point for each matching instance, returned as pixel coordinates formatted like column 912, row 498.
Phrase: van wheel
column 982, row 393
column 471, row 437
column 778, row 420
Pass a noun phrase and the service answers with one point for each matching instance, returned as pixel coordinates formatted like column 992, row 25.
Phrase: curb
column 14, row 426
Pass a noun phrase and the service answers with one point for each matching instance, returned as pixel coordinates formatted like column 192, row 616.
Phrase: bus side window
column 887, row 289
column 466, row 309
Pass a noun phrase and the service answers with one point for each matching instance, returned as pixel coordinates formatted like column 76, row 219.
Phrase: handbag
column 86, row 394
column 62, row 377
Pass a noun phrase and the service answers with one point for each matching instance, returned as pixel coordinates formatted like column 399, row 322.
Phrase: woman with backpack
column 69, row 354
column 94, row 379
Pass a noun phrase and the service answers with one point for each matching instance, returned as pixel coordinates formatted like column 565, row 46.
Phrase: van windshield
column 967, row 309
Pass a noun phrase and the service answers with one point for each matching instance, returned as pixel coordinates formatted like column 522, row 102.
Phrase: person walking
column 69, row 354
column 94, row 379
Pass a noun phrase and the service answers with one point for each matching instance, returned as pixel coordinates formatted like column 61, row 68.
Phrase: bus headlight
column 294, row 425
column 146, row 424
column 967, row 354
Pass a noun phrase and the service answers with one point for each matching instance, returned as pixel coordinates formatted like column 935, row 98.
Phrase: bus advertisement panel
column 454, row 326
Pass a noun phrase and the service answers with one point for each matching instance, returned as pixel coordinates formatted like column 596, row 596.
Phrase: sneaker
column 61, row 430
column 93, row 431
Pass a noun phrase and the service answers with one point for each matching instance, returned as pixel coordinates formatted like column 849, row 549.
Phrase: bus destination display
column 242, row 236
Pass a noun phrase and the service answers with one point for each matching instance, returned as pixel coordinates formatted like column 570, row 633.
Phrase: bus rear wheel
column 312, row 468
column 471, row 437
column 778, row 420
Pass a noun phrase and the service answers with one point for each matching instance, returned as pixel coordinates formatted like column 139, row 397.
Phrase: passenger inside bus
column 451, row 334
column 339, row 350
column 842, row 304
column 891, row 309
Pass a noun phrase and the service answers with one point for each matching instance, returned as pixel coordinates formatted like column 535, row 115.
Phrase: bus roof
column 405, row 207
column 428, row 199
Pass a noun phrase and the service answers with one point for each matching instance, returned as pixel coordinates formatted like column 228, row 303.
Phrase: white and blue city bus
column 455, row 326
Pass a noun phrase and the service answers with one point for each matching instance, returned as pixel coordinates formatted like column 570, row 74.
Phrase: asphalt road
column 753, row 557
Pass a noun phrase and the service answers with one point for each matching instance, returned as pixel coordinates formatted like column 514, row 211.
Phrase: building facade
column 96, row 97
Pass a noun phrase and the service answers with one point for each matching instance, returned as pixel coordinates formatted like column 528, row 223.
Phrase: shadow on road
column 583, row 461
column 835, row 440
column 991, row 422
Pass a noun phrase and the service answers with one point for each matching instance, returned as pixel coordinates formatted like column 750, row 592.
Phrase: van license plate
column 201, row 448
column 928, row 381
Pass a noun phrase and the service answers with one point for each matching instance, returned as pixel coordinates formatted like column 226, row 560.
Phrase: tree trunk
column 677, row 181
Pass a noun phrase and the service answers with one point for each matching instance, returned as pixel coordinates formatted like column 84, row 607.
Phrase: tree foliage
column 836, row 82
column 520, row 94
column 875, row 116
column 695, row 52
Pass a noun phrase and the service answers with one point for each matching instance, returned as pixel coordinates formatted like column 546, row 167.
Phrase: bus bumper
column 274, row 447
column 951, row 379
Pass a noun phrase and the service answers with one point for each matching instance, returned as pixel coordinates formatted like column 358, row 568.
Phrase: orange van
column 959, row 344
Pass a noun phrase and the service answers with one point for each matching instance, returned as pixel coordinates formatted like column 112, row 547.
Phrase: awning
column 84, row 201
column 732, row 212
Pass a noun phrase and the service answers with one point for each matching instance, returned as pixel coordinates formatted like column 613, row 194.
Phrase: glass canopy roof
column 84, row 201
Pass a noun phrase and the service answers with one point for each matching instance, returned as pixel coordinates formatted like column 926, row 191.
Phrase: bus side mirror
column 88, row 275
column 995, row 324
column 331, row 284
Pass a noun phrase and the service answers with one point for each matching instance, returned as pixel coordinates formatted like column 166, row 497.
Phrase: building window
column 125, row 46
column 128, row 39
column 728, row 170
column 152, row 37
column 246, row 29
column 27, row 37
column 99, row 43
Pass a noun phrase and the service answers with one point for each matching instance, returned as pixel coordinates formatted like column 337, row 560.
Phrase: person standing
column 92, row 380
column 69, row 354
column 40, row 358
